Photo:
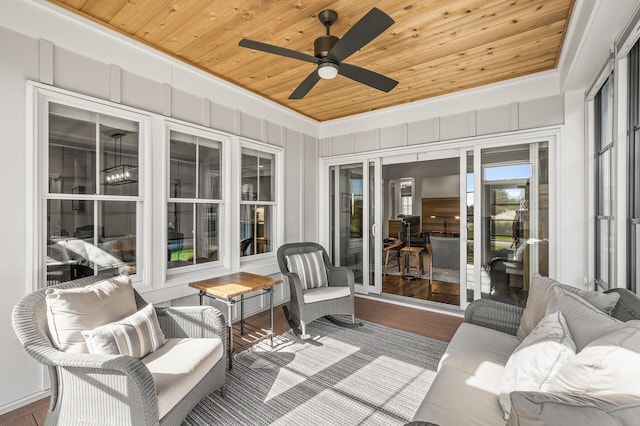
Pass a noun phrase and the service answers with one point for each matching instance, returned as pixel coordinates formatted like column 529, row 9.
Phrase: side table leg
column 230, row 350
column 271, row 314
column 242, row 315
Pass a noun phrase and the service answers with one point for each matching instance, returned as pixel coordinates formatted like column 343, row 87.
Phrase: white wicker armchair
column 115, row 389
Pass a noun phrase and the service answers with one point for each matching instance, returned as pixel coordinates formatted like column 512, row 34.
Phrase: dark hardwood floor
column 418, row 288
column 424, row 323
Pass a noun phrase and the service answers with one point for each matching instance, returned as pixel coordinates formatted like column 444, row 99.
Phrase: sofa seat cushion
column 179, row 365
column 480, row 351
column 458, row 398
column 321, row 294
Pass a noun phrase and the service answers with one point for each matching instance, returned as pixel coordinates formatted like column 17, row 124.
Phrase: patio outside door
column 353, row 234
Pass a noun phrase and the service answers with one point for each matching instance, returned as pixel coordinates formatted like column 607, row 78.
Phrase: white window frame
column 277, row 231
column 39, row 97
column 222, row 264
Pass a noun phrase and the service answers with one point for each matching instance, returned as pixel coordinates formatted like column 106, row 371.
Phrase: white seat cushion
column 179, row 365
column 457, row 398
column 479, row 351
column 325, row 293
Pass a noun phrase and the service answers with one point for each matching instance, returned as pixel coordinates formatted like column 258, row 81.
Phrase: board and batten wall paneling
column 423, row 131
column 185, row 106
column 274, row 134
column 393, row 136
column 541, row 112
column 494, row 120
column 293, row 190
column 80, row 74
column 342, row 144
column 21, row 375
column 251, row 127
column 366, row 141
column 310, row 193
column 223, row 118
column 142, row 93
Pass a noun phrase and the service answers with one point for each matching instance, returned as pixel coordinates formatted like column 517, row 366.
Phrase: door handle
column 374, row 229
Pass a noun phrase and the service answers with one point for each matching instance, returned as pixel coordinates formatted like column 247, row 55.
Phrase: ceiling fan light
column 327, row 70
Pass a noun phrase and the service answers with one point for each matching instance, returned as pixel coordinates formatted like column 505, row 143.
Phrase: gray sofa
column 467, row 386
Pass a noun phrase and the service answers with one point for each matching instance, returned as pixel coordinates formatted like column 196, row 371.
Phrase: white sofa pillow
column 608, row 365
column 536, row 361
column 136, row 335
column 585, row 321
column 73, row 310
column 541, row 291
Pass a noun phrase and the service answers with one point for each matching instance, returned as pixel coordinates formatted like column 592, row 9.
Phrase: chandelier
column 119, row 173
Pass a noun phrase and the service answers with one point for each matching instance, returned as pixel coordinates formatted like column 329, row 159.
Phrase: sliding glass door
column 352, row 231
column 442, row 225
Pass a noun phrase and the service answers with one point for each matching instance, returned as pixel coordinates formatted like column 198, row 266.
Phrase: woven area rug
column 369, row 375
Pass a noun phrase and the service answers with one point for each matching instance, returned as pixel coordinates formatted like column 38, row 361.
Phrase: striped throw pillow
column 310, row 269
column 136, row 335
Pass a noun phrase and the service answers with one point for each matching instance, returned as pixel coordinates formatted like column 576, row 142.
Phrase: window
column 258, row 200
column 604, row 185
column 406, row 196
column 633, row 243
column 195, row 199
column 92, row 196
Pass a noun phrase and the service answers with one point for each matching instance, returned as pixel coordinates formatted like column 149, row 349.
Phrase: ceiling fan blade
column 366, row 29
column 370, row 78
column 276, row 50
column 306, row 85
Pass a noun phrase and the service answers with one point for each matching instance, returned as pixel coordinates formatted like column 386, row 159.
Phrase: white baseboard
column 4, row 409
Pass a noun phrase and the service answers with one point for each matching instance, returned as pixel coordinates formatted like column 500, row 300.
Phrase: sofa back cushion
column 541, row 292
column 73, row 310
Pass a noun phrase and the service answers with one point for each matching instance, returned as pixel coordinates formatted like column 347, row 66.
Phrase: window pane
column 72, row 150
column 635, row 177
column 182, row 169
column 207, row 233
column 179, row 235
column 604, row 187
column 258, row 175
column 266, row 174
column 606, row 117
column 604, row 248
column 209, row 170
column 118, row 229
column 636, row 250
column 76, row 247
column 119, row 156
column 255, row 229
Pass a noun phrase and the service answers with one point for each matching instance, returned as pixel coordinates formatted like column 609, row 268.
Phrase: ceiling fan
column 330, row 51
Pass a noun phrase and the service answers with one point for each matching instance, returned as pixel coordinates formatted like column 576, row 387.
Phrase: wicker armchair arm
column 79, row 364
column 340, row 277
column 496, row 315
column 295, row 286
column 192, row 321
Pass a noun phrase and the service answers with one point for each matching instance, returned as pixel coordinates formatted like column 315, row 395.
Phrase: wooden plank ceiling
column 434, row 48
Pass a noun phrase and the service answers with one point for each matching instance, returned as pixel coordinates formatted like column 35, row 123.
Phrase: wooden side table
column 231, row 289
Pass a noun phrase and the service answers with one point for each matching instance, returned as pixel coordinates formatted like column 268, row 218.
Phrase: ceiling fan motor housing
column 323, row 45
